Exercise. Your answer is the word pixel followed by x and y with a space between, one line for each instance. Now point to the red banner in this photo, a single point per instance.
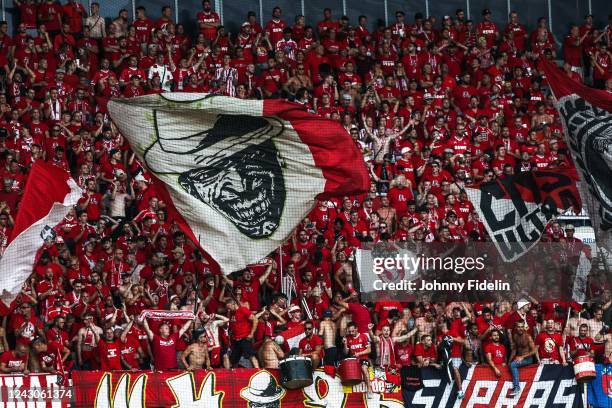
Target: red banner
pixel 224 388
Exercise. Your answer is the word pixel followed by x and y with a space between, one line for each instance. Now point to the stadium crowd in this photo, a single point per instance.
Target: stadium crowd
pixel 433 104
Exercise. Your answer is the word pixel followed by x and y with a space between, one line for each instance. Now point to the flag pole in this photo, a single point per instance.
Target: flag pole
pixel 280 267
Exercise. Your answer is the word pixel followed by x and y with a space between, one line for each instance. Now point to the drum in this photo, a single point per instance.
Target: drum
pixel 296 372
pixel 584 369
pixel 349 371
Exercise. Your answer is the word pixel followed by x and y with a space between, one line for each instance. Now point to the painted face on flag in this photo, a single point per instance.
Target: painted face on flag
pixel 245 185
pixel 239 173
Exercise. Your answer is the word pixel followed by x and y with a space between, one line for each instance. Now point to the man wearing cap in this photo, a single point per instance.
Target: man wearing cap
pixel 521 314
pixel 295 317
pixel 487 29
pixel 575 246
pixel 180 264
pixel 59 309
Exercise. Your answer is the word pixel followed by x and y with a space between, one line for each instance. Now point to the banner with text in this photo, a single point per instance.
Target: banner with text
pixel 236 388
pixel 34 390
pixel 470 271
pixel 542 386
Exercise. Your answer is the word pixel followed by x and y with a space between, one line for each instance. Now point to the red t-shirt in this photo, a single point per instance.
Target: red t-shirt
pixel 240 325
pixel 12 361
pixel 360 316
pixel 164 352
pixel 403 354
pixel 430 353
pixel 308 345
pixel 582 345
pixel 358 344
pixel 497 351
pixel 548 345
pixel 110 355
pixel 129 351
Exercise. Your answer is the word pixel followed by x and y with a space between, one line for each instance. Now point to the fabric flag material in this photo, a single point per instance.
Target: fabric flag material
pixel 241 174
pixel 515 209
pixel 293 336
pixel 586 114
pixel 49 195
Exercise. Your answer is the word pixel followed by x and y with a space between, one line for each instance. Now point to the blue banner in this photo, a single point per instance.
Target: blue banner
pixel 600 390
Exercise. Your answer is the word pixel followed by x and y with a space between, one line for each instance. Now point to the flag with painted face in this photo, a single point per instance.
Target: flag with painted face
pixel 239 174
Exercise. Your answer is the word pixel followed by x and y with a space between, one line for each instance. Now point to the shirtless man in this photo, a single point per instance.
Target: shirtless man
pixel 87 339
pixel 425 324
pixel 327 331
pixel 572 327
pixel 197 352
pixel 472 346
pixel 387 213
pixel 270 353
pixel 523 353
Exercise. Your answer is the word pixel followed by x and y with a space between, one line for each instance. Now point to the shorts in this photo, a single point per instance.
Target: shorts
pixel 215 356
pixel 365 363
pixel 330 358
pixel 456 362
pixel 241 348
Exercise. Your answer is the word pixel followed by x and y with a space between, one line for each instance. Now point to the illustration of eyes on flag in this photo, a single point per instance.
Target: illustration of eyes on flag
pixel 239 172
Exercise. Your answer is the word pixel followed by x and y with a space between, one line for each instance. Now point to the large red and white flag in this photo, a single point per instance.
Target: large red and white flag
pixel 241 174
pixel 586 114
pixel 49 195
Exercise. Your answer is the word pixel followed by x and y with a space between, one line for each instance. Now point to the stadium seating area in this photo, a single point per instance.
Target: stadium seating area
pixel 433 104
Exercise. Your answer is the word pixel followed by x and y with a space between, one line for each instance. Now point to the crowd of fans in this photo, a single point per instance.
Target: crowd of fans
pixel 432 104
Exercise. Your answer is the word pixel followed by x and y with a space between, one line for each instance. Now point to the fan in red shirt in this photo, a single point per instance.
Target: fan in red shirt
pixel 15 361
pixel 243 325
pixel 163 345
pixel 208 21
pixel 550 344
pixel 581 345
pixel 357 345
pixel 312 345
pixel 425 352
pixel 109 351
pixel 495 352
